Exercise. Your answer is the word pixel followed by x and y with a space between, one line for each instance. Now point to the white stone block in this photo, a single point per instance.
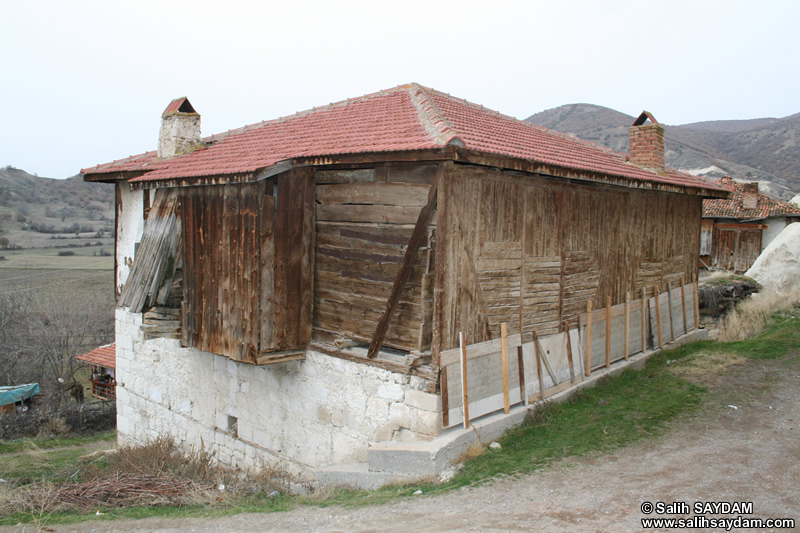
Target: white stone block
pixel 391 391
pixel 424 401
pixel 425 422
pixel 399 414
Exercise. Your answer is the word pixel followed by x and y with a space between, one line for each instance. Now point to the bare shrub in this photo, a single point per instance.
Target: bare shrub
pixel 750 316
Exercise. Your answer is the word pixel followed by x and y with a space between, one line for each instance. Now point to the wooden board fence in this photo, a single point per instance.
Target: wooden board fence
pixel 487 382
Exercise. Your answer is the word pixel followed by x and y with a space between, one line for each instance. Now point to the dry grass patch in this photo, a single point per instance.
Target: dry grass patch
pixel 705 366
pixel 750 317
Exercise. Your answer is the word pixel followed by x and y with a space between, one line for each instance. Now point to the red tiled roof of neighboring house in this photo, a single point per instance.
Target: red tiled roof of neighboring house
pixel 105 356
pixel 734 206
pixel 407 117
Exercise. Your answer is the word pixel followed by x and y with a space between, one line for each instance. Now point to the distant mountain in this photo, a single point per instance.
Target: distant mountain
pixel 766 150
pixel 34 211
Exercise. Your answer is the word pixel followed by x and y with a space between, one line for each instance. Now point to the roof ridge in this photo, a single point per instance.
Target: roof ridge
pixel 433 120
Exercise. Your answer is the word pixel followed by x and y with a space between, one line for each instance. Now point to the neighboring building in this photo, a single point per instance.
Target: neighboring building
pixel 14 396
pixel 736 230
pixel 285 289
pixel 102 376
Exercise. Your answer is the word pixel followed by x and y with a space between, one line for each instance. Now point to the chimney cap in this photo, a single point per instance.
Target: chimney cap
pixel 643 118
pixel 179 105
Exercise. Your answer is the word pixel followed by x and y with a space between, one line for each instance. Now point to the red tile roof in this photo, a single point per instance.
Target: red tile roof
pixel 734 206
pixel 105 356
pixel 407 117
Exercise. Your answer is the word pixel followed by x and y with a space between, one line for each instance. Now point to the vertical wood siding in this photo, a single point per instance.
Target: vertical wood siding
pixel 532 252
pixel 249 266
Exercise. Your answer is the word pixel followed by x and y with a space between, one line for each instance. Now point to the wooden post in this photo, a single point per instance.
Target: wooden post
pixel 669 308
pixel 504 355
pixel 645 310
pixel 683 306
pixel 538 365
pixel 523 393
pixel 627 324
pixel 608 331
pixel 569 354
pixel 658 317
pixel 464 394
pixel 588 369
pixel 696 305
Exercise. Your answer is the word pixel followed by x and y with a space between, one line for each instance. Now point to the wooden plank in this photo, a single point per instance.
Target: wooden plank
pixel 588 367
pixel 538 364
pixel 608 331
pixel 481 349
pixel 657 303
pixel 382 214
pixel 569 353
pixel 412 249
pixel 521 371
pixel 504 362
pixel 683 307
pixel 696 305
pixel 399 194
pixel 669 308
pixel 445 395
pixel 645 309
pixel 464 381
pixel 627 325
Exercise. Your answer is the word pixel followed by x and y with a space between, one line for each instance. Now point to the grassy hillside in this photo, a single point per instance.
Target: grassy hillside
pixel 44 213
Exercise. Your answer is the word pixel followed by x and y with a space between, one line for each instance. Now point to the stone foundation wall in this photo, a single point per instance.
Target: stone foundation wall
pixel 300 414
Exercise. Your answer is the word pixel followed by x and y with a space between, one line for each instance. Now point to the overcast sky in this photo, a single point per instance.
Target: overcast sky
pixel 85 82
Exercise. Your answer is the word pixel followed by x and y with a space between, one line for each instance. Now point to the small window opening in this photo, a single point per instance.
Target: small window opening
pixel 233 425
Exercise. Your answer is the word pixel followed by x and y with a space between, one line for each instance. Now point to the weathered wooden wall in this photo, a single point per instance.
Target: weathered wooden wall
pixel 364 221
pixel 249 266
pixel 735 248
pixel 533 251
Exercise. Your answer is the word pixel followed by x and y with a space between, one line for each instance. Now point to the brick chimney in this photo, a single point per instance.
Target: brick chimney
pixel 180 129
pixel 647 143
pixel 750 195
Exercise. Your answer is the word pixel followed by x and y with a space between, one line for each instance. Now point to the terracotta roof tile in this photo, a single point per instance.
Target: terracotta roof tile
pixel 407 117
pixel 104 356
pixel 734 206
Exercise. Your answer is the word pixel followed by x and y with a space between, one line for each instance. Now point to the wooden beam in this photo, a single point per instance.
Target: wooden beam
pixel 627 325
pixel 464 388
pixel 588 369
pixel 669 308
pixel 741 226
pixel 412 249
pixel 538 365
pixel 608 331
pixel 645 309
pixel 504 356
pixel 569 354
pixel 683 306
pixel 658 317
pixel 696 305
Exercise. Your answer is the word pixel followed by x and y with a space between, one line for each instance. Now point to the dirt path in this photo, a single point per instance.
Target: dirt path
pixel 722 454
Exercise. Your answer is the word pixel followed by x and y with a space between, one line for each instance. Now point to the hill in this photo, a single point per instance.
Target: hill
pixel 42 212
pixel 766 150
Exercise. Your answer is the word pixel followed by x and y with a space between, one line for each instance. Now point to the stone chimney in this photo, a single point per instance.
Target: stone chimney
pixel 180 129
pixel 647 143
pixel 750 195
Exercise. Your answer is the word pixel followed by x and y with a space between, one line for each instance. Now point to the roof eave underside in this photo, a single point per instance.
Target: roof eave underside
pixel 452 153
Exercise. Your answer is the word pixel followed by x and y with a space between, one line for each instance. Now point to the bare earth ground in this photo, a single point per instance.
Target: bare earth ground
pixel 751 453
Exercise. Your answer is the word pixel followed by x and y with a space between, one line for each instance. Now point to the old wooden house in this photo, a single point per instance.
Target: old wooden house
pixel 285 290
pixel 736 230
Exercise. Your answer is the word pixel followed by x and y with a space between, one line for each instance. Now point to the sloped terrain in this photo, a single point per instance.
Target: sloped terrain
pixel 764 149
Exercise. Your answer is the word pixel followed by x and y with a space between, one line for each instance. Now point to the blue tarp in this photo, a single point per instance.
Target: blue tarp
pixel 17 393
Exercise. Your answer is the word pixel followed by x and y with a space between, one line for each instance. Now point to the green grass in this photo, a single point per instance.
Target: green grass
pixel 55 460
pixel 617 412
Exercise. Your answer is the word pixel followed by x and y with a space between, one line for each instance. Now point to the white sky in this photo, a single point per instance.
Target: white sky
pixel 85 82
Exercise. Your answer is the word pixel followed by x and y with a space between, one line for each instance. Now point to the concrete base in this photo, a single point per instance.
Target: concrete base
pixel 398 461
